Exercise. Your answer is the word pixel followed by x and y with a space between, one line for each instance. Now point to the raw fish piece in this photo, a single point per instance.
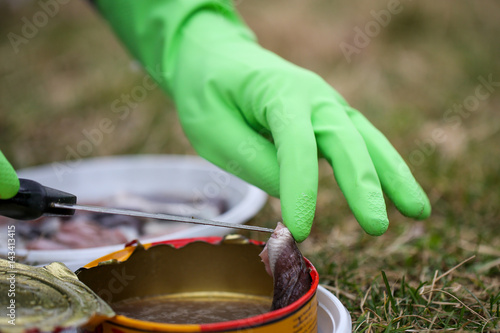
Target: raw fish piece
pixel 285 263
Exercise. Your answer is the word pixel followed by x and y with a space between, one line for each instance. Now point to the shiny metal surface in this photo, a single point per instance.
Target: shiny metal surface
pixel 160 216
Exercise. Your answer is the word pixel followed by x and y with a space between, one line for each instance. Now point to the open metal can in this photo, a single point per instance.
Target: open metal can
pixel 196 270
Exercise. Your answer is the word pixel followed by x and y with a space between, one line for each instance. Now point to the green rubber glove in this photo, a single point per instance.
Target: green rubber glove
pixel 9 183
pixel 260 117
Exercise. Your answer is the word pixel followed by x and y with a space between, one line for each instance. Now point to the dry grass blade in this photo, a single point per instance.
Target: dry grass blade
pixel 486 324
pixel 361 305
pixel 414 316
pixel 455 267
pixel 434 280
pixel 432 323
pixel 458 300
pixel 376 315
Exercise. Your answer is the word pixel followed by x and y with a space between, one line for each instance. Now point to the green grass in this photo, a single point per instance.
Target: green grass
pixel 441 274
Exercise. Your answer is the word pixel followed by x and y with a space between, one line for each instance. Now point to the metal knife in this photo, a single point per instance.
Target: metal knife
pixel 35 200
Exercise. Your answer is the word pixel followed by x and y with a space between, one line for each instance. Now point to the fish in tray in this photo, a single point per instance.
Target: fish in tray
pixel 86 230
pixel 285 263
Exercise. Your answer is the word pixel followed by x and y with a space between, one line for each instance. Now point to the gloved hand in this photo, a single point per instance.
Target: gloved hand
pixel 9 183
pixel 262 118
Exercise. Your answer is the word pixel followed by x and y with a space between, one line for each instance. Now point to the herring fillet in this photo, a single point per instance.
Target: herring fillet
pixel 286 265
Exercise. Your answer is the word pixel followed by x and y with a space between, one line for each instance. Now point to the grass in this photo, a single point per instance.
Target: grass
pixel 441 274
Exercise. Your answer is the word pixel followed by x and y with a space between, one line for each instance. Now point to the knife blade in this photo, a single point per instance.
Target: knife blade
pixel 158 216
pixel 34 200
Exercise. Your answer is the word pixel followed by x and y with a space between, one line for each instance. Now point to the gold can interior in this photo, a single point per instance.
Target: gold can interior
pixel 209 279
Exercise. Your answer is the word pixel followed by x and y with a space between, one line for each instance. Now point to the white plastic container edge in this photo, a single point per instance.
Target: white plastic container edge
pixel 333 317
pixel 97 178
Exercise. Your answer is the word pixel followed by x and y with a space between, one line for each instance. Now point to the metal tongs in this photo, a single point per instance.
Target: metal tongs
pixel 35 200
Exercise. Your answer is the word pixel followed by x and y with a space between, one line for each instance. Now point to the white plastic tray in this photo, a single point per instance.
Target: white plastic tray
pixel 94 179
pixel 333 317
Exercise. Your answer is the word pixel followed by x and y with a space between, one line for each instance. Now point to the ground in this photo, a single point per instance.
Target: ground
pixel 426 74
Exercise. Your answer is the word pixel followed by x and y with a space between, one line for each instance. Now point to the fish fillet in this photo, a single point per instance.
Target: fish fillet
pixel 286 265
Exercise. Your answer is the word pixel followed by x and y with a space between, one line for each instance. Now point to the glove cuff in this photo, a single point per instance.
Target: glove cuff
pixel 151 29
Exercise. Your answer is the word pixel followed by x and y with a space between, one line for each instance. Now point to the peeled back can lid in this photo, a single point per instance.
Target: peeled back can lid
pixel 46 299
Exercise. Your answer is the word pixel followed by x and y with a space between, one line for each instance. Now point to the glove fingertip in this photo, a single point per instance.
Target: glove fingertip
pixel 9 183
pixel 10 191
pixel 424 212
pixel 300 218
pixel 299 232
pixel 376 228
pixel 415 206
pixel 371 214
pixel 374 224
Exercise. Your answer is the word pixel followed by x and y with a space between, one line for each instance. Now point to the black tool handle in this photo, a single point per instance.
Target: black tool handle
pixel 34 200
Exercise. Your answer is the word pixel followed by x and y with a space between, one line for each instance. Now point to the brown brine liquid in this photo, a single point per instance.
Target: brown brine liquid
pixel 193 308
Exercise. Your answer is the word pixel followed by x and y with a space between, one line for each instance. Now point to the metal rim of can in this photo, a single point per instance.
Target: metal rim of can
pixel 250 322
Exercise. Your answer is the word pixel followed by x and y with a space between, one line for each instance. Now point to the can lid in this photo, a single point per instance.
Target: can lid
pixel 47 299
